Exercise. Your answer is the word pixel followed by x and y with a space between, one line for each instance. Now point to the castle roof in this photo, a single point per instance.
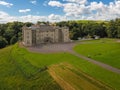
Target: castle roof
pixel 42 27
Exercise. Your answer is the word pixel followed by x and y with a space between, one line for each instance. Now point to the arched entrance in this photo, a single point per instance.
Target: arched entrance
pixel 47 40
pixel 60 36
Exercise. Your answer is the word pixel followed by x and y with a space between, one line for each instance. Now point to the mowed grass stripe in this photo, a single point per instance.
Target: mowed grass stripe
pixel 78 82
pixel 60 81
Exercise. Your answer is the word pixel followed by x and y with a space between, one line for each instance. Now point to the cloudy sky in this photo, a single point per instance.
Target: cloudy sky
pixel 58 10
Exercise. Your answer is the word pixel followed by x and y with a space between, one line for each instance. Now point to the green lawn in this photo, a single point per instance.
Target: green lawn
pixel 104 50
pixel 17 73
pixel 75 78
pixel 24 70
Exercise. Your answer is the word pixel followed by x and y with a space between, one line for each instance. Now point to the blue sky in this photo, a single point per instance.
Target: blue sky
pixel 36 9
pixel 58 10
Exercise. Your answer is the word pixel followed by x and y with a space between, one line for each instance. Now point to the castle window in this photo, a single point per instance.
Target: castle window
pixel 28 42
pixel 27 36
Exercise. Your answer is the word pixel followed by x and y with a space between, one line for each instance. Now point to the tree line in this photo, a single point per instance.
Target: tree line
pixel 11 32
pixel 80 29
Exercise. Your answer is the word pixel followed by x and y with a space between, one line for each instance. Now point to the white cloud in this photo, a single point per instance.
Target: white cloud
pixel 55 3
pixel 82 9
pixel 72 11
pixel 54 18
pixel 103 11
pixel 77 1
pixel 5 17
pixel 5 3
pixel 31 18
pixel 33 2
pixel 24 10
pixel 34 19
pixel 3 14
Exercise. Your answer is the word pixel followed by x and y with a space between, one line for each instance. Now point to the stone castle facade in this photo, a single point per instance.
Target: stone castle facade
pixel 41 34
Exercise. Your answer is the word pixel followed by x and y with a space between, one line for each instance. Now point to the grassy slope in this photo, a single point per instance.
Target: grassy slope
pixel 13 77
pixel 20 75
pixel 104 50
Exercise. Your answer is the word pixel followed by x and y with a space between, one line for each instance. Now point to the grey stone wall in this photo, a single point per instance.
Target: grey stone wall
pixel 38 35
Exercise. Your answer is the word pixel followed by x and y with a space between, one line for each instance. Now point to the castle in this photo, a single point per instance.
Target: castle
pixel 41 34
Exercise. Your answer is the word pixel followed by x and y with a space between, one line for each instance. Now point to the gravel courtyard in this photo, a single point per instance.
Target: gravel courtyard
pixel 52 48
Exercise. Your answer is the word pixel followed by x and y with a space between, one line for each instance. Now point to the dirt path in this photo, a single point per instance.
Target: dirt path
pixel 68 47
pixel 106 66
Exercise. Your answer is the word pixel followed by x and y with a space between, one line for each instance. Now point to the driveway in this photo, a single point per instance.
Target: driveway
pixel 68 47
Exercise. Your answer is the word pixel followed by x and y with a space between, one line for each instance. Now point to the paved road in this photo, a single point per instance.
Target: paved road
pixel 67 47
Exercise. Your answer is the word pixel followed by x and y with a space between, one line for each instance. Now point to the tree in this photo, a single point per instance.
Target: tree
pixel 2 29
pixel 118 31
pixel 13 40
pixel 117 21
pixel 3 42
pixel 113 28
pixel 28 24
pixel 75 33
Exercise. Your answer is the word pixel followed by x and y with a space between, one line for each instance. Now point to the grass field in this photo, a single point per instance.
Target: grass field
pixel 70 78
pixel 24 70
pixel 16 73
pixel 104 50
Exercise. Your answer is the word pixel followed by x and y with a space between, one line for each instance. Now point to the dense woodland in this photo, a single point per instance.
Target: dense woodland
pixel 10 33
pixel 110 29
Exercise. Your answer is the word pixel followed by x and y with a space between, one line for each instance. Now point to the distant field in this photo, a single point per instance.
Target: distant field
pixel 103 50
pixel 87 21
pixel 24 70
